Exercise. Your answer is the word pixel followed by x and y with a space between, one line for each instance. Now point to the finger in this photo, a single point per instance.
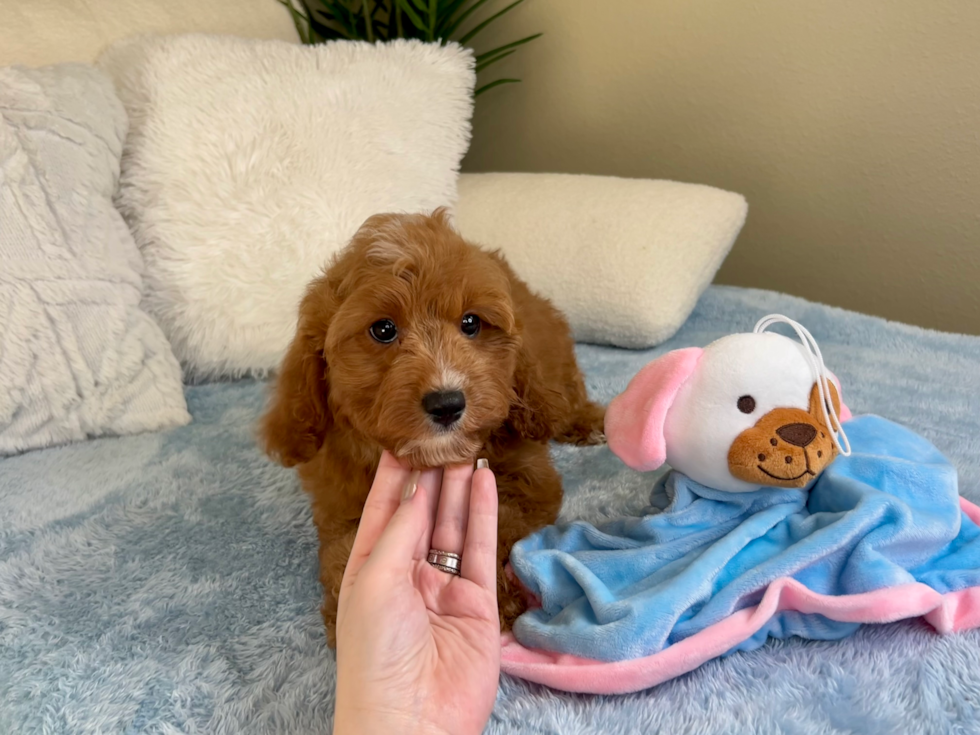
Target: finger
pixel 454 503
pixel 431 480
pixel 395 549
pixel 382 502
pixel 479 563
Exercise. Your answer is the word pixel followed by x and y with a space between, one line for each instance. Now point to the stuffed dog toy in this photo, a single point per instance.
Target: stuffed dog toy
pixel 748 410
pixel 768 525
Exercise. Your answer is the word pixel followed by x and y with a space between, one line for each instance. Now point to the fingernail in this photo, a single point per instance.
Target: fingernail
pixel 482 464
pixel 411 485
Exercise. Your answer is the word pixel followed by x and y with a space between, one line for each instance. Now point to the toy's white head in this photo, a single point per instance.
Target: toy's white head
pixel 743 412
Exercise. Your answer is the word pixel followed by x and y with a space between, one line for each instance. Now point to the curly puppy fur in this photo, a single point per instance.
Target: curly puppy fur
pixel 342 396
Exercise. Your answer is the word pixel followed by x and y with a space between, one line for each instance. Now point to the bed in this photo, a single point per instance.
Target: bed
pixel 167 582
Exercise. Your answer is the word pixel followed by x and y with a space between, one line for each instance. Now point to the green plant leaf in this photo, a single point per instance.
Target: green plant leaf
pixel 301 22
pixel 368 24
pixel 463 16
pixel 491 85
pixel 488 21
pixel 328 29
pixel 447 13
pixel 487 54
pixel 350 23
pixel 412 15
pixel 321 7
pixel 493 60
pixel 317 21
pixel 334 24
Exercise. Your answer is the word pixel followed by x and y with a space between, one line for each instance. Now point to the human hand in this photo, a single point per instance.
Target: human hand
pixel 418 649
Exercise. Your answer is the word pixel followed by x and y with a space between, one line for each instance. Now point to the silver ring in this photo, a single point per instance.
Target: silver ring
pixel 444 561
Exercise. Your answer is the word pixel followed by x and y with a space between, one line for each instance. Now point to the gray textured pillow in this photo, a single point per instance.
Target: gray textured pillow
pixel 78 357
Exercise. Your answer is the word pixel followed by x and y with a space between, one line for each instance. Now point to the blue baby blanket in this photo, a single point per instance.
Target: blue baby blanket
pixel 887 515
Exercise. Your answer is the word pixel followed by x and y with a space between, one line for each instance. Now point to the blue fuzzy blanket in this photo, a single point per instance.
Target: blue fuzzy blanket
pixel 882 518
pixel 167 582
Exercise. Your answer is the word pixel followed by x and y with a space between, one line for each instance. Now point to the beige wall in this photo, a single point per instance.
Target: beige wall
pixel 38 32
pixel 852 127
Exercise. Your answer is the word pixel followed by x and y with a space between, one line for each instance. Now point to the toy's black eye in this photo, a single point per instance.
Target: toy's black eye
pixel 470 325
pixel 384 331
pixel 746 404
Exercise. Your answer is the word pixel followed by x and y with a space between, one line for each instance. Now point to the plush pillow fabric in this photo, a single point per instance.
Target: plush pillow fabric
pixel 78 357
pixel 625 259
pixel 37 32
pixel 249 163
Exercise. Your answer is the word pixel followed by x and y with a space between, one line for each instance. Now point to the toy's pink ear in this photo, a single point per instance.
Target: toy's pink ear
pixel 635 418
pixel 845 412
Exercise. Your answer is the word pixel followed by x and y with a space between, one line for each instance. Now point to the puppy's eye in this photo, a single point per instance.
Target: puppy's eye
pixel 470 325
pixel 384 331
pixel 746 404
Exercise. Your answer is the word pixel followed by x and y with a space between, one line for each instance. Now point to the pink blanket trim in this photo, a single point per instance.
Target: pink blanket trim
pixel 952 612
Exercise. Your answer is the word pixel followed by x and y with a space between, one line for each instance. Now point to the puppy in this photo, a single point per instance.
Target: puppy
pixel 418 342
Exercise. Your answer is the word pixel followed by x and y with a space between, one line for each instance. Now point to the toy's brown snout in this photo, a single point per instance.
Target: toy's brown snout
pixel 787 447
pixel 798 434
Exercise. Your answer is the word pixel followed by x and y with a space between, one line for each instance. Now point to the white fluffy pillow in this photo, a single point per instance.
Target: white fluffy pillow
pixel 249 163
pixel 625 259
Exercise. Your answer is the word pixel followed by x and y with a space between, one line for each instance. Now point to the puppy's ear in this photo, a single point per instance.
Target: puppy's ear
pixel 539 411
pixel 635 418
pixel 298 416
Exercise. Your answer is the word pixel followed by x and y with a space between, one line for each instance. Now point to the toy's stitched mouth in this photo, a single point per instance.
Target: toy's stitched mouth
pixel 786 479
pixel 804 473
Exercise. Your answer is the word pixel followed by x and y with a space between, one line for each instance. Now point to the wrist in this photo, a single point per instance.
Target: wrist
pixel 374 721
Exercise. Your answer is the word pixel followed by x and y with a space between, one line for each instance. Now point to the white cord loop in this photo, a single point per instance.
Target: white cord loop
pixel 811 351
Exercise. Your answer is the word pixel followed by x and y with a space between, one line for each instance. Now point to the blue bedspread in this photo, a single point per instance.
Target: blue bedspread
pixel 167 582
pixel 887 515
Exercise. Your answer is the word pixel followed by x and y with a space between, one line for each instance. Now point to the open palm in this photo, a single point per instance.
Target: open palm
pixel 418 650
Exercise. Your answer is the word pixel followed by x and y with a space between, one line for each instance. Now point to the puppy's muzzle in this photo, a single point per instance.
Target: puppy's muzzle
pixel 445 408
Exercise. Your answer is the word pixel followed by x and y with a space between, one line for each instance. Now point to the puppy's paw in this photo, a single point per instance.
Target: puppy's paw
pixel 512 597
pixel 587 427
pixel 510 610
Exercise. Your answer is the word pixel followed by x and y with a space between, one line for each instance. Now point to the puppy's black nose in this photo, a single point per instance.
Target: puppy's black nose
pixel 797 434
pixel 445 407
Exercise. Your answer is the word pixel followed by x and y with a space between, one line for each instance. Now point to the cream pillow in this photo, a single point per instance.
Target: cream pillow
pixel 78 358
pixel 249 163
pixel 625 259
